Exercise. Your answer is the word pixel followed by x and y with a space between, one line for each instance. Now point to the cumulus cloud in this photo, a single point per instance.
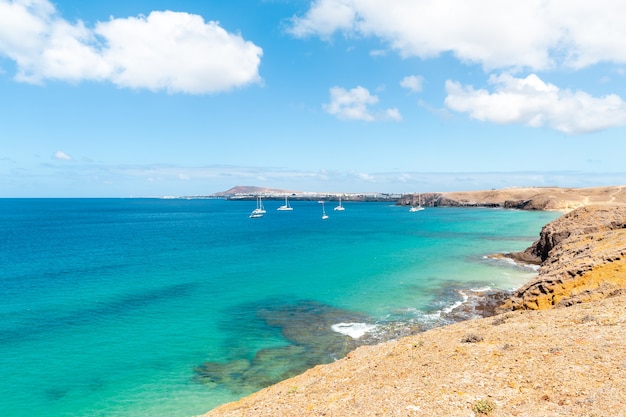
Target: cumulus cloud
pixel 173 51
pixel 324 18
pixel 533 102
pixel 535 34
pixel 355 104
pixel 178 52
pixel 413 83
pixel 62 156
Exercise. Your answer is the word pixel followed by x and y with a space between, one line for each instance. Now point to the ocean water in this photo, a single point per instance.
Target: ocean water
pixel 150 307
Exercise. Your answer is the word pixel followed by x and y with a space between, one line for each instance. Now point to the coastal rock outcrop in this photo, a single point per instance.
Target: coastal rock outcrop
pixel 582 256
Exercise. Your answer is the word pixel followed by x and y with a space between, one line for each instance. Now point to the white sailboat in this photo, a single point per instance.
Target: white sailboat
pixel 286 206
pixel 340 207
pixel 260 207
pixel 324 215
pixel 419 204
pixel 259 211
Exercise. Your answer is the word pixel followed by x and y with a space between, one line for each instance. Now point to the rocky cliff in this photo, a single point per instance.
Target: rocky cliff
pixel 582 256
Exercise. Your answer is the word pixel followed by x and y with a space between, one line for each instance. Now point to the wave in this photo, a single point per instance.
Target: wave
pixel 354 330
pixel 499 258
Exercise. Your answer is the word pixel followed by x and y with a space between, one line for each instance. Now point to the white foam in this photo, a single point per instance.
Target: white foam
pixel 512 262
pixel 449 309
pixel 354 330
pixel 509 261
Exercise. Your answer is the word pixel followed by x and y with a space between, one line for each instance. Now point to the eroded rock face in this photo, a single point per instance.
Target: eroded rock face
pixel 582 256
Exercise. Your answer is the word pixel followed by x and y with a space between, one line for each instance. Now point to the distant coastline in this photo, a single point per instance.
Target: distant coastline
pixel 522 198
pixel 245 193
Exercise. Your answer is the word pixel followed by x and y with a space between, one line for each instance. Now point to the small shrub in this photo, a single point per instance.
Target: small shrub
pixel 483 407
pixel 587 318
pixel 472 338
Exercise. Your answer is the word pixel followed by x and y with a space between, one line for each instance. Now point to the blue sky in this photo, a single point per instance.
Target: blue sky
pixel 152 98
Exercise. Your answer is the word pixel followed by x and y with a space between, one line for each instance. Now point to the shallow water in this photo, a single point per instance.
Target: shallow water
pixel 147 307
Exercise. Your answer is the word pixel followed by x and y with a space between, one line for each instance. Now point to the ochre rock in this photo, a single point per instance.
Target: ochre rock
pixel 583 258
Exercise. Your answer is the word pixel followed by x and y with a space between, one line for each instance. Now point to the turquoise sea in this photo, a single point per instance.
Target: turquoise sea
pixel 157 307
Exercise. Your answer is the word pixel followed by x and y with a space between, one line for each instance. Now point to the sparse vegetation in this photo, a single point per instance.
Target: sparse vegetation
pixel 472 338
pixel 588 318
pixel 499 320
pixel 483 407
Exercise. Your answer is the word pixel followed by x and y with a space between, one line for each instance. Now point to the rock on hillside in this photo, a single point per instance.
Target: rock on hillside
pixel 582 256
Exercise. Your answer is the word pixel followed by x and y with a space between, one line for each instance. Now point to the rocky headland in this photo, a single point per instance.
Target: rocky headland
pixel 529 198
pixel 582 256
pixel 556 348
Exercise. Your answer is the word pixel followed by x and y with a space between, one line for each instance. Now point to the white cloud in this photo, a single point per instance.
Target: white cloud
pixel 533 102
pixel 172 51
pixel 101 180
pixel 324 18
pixel 355 104
pixel 413 83
pixel 535 34
pixel 62 156
pixel 392 114
pixel 178 52
pixel 351 105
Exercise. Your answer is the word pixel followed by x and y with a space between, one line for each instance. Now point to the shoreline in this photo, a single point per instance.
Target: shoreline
pixel 486 304
pixel 558 362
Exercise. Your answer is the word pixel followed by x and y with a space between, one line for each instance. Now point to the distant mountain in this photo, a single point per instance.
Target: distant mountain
pixel 250 190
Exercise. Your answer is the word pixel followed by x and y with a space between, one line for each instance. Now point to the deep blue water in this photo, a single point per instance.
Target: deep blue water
pixel 149 307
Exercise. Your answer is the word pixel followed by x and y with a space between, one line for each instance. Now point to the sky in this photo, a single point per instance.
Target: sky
pixel 151 98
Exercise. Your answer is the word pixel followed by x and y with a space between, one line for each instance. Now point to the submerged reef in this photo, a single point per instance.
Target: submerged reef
pixel 309 340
